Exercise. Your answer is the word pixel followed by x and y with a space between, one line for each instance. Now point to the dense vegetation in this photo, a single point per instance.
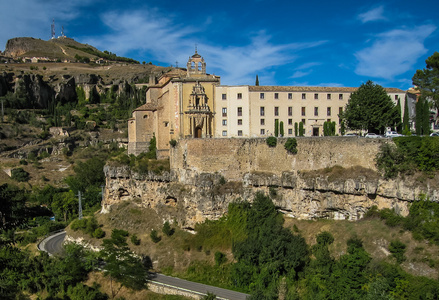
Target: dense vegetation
pixel 274 262
pixel 409 154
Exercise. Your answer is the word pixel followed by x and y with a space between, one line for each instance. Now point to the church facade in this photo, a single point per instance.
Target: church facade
pixel 178 104
pixel 193 104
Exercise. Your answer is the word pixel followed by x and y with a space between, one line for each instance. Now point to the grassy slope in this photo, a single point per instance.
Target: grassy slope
pixel 169 256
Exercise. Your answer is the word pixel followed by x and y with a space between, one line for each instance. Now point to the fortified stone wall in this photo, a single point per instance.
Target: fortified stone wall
pixel 234 158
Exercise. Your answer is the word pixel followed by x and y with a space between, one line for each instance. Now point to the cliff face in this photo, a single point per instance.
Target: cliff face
pixel 331 178
pixel 298 196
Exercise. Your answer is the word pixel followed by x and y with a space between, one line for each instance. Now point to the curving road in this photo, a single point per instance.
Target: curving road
pixel 53 245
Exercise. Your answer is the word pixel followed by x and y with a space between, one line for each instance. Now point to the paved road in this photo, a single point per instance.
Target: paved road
pixel 198 287
pixel 53 245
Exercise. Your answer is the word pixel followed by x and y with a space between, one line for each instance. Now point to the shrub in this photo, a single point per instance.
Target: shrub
pixel 291 145
pixel 397 248
pixel 220 258
pixel 135 240
pixel 20 175
pixel 167 230
pixel 99 233
pixel 154 236
pixel 173 143
pixel 271 141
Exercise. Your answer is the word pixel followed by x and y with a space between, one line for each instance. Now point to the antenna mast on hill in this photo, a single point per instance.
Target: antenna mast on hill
pixel 53 28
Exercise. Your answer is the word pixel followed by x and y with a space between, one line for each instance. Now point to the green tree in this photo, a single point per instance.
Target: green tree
pixel 406 118
pixel 121 264
pixel 281 128
pixel 296 129
pixel 276 127
pixel 427 80
pixel 301 129
pixel 369 108
pixel 257 80
pixel 422 116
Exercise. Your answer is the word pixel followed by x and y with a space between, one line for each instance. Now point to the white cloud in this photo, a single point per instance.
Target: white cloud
pixel 164 39
pixel 299 74
pixel 374 14
pixel 393 53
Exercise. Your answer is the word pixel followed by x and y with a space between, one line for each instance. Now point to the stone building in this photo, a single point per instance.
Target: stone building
pixel 178 104
pixel 191 103
pixel 251 111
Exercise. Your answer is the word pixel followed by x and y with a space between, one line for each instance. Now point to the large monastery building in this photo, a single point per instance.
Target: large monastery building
pixel 193 104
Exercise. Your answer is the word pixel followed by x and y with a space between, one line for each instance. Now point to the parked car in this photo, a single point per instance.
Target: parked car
pixel 372 135
pixel 350 134
pixel 392 134
pixel 434 134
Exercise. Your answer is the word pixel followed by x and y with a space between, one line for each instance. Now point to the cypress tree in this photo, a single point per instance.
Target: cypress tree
pixel 257 80
pixel 296 129
pixel 276 127
pixel 419 115
pixel 281 129
pixel 405 119
pixel 426 118
pixel 301 130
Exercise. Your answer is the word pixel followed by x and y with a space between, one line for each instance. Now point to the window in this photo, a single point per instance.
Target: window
pixel 303 96
pixel 239 121
pixel 290 131
pixel 224 111
pixel 224 122
pixel 303 111
pixel 224 96
pixel 262 121
pixel 328 111
pixel 262 111
pixel 340 110
pixel 396 97
pixel 316 96
pixel 276 95
pixel 239 96
pixel 239 111
pixel 290 96
pixel 239 132
pixel 328 120
pixel 290 110
pixel 262 131
pixel 316 111
pixel 261 96
pixel 303 121
pixel 276 110
pixel 224 132
pixel 328 96
pixel 340 96
pixel 290 121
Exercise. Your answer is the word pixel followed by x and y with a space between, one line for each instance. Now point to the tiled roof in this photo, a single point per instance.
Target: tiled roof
pixel 147 107
pixel 312 89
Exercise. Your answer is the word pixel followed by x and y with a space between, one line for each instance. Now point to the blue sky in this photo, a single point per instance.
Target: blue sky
pixel 312 43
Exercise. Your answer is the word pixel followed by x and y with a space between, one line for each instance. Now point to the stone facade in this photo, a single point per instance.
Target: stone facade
pixel 193 104
pixel 178 104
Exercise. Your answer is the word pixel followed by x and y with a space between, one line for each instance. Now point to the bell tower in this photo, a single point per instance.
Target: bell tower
pixel 196 66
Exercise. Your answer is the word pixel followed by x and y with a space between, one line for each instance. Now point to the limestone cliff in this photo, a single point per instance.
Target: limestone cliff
pixel 190 195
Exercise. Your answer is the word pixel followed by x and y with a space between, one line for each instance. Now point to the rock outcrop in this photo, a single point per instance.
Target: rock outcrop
pixel 328 178
pixel 295 195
